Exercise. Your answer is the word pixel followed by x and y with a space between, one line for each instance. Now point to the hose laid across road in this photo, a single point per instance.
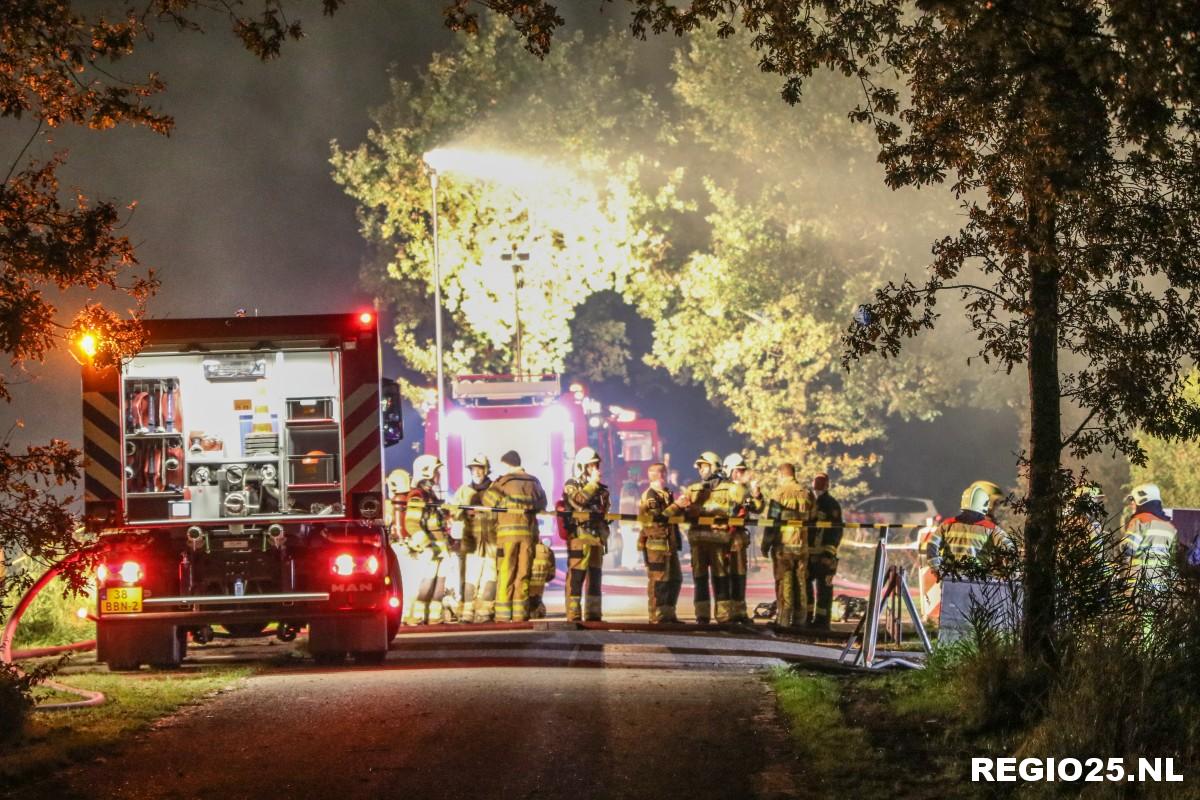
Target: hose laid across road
pixel 7 656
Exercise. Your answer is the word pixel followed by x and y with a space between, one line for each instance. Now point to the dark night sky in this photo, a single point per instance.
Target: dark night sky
pixel 236 207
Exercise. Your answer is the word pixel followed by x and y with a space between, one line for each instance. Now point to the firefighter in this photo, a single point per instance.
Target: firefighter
pixel 399 484
pixel 787 547
pixel 543 572
pixel 1149 540
pixel 427 540
pixel 742 496
pixel 477 555
pixel 823 545
pixel 522 497
pixel 972 530
pixel 659 542
pixel 587 539
pixel 708 540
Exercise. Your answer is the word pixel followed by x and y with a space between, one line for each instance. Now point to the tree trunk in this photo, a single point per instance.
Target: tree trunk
pixel 1041 530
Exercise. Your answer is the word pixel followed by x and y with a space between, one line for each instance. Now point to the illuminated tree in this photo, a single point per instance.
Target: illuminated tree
pixel 538 159
pixel 1069 133
pixel 730 231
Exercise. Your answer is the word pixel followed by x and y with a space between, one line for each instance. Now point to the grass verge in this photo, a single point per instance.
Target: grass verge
pixel 56 739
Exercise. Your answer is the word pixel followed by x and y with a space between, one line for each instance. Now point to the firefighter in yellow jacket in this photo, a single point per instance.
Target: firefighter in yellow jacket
pixel 743 497
pixel 522 498
pixel 823 546
pixel 787 547
pixel 478 550
pixel 708 537
pixel 972 530
pixel 427 539
pixel 587 539
pixel 659 541
pixel 1150 539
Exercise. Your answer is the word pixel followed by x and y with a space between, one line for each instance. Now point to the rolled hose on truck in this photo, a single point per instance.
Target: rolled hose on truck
pixel 7 656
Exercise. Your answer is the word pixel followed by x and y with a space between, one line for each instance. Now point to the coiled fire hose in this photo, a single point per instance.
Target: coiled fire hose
pixel 7 656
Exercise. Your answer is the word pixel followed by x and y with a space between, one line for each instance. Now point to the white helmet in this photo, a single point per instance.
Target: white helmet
pixel 1144 493
pixel 733 461
pixel 398 482
pixel 480 460
pixel 584 457
pixel 981 497
pixel 425 467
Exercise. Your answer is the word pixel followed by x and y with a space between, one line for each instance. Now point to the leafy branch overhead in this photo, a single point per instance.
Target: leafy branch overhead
pixel 59 66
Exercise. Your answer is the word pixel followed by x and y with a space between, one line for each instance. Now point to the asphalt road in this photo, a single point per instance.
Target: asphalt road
pixel 446 731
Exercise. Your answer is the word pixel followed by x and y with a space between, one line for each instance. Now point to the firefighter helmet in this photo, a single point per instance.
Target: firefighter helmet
pixel 425 467
pixel 733 461
pixel 1144 493
pixel 982 497
pixel 398 482
pixel 710 458
pixel 480 460
pixel 584 458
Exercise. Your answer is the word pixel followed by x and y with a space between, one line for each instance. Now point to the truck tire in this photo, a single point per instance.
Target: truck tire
pixel 333 637
pixel 126 645
pixel 369 658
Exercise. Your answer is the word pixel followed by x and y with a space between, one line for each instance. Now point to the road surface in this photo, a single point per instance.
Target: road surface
pixel 441 730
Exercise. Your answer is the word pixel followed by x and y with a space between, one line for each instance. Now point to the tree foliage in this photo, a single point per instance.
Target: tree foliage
pixel 1069 133
pixel 58 68
pixel 744 254
pixel 539 160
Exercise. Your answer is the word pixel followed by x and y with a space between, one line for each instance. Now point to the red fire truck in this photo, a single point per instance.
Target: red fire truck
pixel 234 473
pixel 493 414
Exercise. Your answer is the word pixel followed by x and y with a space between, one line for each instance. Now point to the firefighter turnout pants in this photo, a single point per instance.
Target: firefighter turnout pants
pixel 791 592
pixel 664 580
pixel 585 558
pixel 540 574
pixel 514 558
pixel 431 588
pixel 710 559
pixel 739 552
pixel 479 584
pixel 819 588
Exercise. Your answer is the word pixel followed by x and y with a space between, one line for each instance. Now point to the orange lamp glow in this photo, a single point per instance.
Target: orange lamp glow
pixel 87 344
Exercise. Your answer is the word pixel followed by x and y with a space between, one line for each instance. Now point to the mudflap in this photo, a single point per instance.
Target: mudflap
pixel 352 634
pixel 128 645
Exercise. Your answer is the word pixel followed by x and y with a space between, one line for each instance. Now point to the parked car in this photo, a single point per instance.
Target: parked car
pixel 894 510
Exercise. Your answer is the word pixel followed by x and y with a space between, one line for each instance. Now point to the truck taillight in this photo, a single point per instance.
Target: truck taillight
pixel 366 318
pixel 347 564
pixel 130 572
pixel 101 573
pixel 393 602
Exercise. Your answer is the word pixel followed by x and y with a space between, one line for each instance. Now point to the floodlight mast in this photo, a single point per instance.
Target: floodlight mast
pixel 437 318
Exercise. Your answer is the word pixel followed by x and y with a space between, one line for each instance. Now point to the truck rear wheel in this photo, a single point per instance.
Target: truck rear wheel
pixel 125 646
pixel 333 637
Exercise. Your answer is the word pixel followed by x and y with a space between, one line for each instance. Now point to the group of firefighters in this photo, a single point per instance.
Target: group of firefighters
pixel 505 566
pixel 1147 544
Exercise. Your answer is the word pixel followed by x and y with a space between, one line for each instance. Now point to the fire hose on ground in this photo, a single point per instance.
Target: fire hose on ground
pixel 7 656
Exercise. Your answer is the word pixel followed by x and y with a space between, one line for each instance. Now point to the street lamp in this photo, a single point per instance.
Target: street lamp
pixel 429 159
pixel 516 259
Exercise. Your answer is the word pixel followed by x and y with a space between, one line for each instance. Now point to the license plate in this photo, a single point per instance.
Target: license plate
pixel 121 600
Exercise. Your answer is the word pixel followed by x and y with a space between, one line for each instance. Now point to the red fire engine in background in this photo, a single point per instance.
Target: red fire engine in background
pixel 492 414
